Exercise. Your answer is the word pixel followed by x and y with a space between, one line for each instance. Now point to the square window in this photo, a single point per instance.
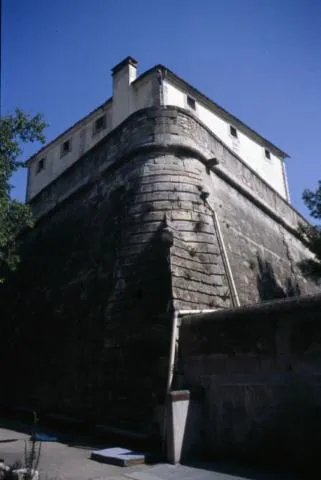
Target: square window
pixel 191 102
pixel 100 124
pixel 233 131
pixel 41 165
pixel 267 154
pixel 66 147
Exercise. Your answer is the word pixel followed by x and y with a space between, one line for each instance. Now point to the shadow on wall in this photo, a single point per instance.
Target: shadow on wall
pixel 87 329
pixel 269 287
pixel 277 426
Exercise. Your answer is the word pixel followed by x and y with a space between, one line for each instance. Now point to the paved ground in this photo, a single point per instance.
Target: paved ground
pixel 72 462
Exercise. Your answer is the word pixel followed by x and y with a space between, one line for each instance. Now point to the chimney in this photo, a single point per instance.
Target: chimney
pixel 123 75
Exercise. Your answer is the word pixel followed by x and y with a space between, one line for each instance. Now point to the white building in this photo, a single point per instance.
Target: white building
pixel 157 86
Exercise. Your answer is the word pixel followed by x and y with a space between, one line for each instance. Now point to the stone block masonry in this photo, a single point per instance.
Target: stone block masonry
pixel 88 314
pixel 256 370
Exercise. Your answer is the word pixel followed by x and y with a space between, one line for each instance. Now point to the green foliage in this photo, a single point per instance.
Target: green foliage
pixel 312 234
pixel 32 455
pixel 312 199
pixel 16 130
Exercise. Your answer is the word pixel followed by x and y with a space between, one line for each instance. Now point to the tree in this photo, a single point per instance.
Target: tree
pixel 312 234
pixel 16 130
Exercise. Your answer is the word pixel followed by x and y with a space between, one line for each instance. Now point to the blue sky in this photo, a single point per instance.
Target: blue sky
pixel 259 59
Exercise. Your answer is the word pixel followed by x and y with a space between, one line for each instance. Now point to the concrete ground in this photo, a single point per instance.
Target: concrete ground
pixel 71 461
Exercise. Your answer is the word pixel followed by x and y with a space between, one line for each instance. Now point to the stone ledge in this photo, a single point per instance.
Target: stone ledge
pixel 262 310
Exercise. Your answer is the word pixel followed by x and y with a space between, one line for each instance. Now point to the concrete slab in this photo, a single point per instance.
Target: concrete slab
pixel 118 456
pixel 65 461
pixel 183 472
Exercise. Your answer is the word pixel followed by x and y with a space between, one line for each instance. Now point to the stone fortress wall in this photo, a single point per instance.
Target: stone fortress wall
pixel 92 302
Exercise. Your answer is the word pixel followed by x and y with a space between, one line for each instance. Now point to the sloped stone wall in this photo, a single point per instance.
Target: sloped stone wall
pixel 87 316
pixel 258 226
pixel 88 321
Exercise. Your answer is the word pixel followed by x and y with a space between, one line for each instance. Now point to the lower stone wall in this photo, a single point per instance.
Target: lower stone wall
pixel 87 317
pixel 258 370
pixel 275 419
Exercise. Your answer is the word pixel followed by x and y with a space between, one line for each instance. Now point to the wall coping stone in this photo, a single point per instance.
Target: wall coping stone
pixel 260 311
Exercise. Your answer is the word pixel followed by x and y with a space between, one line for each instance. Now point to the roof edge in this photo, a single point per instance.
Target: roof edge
pixel 127 61
pixel 30 159
pixel 181 82
pixel 220 110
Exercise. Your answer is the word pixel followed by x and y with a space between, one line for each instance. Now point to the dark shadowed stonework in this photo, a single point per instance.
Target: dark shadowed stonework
pixel 88 315
pixel 258 369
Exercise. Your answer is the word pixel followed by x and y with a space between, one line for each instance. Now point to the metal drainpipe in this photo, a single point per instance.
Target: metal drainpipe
pixel 172 354
pixel 228 270
pixel 177 313
pixel 174 340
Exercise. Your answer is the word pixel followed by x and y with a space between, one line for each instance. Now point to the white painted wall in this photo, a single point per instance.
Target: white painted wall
pixel 142 94
pixel 130 96
pixel 251 152
pixel 139 95
pixel 122 93
pixel 82 139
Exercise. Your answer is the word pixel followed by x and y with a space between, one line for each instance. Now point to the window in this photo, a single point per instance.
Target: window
pixel 100 124
pixel 65 147
pixel 233 131
pixel 191 102
pixel 267 154
pixel 41 165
